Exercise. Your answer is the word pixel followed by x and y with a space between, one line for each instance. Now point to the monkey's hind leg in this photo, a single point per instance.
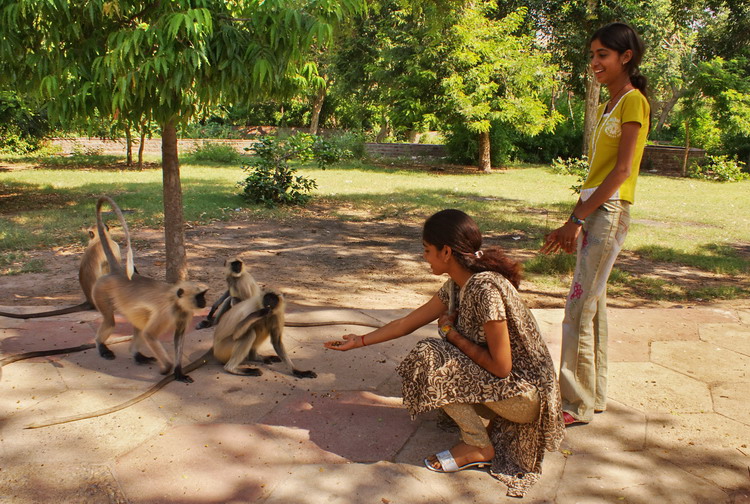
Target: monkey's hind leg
pixel 137 344
pixel 104 332
pixel 240 351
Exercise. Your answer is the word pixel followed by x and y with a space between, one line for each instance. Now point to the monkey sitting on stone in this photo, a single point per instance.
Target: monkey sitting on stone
pixel 240 332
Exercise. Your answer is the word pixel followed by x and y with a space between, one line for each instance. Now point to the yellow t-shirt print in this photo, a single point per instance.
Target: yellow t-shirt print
pixel 605 141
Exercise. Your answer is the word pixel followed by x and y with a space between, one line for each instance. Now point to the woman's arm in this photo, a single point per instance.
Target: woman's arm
pixel 423 315
pixel 496 358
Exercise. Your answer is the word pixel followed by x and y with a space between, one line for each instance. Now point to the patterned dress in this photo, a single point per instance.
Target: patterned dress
pixel 436 373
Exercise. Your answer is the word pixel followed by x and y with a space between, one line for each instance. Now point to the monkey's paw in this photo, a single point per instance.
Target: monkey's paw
pixel 143 359
pixel 106 352
pixel 204 324
pixel 304 374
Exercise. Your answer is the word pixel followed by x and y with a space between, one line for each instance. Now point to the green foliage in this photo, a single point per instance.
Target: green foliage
pixel 213 152
pixel 718 168
pixel 273 181
pixel 573 166
pixel 21 129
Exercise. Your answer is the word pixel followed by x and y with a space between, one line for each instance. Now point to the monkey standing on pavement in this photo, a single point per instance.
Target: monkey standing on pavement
pixel 151 306
pixel 240 286
pixel 94 264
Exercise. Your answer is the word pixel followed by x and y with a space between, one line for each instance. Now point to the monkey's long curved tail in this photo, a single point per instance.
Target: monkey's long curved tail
pixel 197 363
pixel 113 263
pixel 56 351
pixel 62 311
pixel 200 361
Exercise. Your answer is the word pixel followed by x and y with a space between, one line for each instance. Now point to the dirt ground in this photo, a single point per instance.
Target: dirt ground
pixel 315 259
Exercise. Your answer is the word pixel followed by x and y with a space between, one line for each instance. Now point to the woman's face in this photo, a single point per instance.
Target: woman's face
pixel 436 258
pixel 607 64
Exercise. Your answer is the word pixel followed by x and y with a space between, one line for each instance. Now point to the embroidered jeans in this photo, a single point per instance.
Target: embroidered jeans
pixel 583 364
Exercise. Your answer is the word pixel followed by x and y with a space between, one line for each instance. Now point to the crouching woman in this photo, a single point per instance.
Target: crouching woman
pixel 490 362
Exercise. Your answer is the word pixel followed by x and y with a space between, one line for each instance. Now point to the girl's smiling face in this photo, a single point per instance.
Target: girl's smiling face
pixel 607 64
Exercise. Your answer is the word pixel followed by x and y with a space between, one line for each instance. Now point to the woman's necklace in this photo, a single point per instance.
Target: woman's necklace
pixel 614 96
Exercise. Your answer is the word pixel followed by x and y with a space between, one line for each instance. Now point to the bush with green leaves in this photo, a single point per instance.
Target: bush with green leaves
pixel 578 166
pixel 214 152
pixel 272 179
pixel 22 130
pixel 719 168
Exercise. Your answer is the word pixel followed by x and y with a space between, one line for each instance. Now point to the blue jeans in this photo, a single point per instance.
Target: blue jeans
pixel 583 363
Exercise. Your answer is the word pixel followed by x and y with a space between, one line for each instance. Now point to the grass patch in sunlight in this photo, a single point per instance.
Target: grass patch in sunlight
pixel 44 207
pixel 14 263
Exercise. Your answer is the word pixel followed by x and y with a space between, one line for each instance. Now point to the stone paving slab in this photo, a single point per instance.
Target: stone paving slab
pixel 649 387
pixel 632 477
pixel 668 435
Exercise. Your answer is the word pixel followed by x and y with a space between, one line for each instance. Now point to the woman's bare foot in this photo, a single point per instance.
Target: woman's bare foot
pixel 465 454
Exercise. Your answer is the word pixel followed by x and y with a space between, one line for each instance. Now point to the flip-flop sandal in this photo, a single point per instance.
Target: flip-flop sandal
pixel 448 463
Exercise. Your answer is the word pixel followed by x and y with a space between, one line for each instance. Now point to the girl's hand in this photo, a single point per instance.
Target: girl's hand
pixel 447 318
pixel 563 238
pixel 349 342
pixel 551 243
pixel 567 236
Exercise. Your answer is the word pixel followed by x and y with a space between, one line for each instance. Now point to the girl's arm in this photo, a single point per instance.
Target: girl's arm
pixel 565 237
pixel 496 358
pixel 423 315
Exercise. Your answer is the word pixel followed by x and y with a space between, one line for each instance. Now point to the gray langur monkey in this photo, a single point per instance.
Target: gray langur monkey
pixel 151 306
pixel 240 332
pixel 94 264
pixel 240 286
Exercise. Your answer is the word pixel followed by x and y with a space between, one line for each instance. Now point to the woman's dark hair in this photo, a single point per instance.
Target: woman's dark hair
pixel 621 37
pixel 459 232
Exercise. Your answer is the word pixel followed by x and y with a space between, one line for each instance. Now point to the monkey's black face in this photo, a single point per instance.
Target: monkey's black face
pixel 200 299
pixel 236 266
pixel 270 300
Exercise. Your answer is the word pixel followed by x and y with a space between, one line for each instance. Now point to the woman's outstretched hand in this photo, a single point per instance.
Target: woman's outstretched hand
pixel 349 342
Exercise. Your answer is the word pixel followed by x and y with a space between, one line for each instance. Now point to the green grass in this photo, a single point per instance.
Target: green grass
pixel 704 225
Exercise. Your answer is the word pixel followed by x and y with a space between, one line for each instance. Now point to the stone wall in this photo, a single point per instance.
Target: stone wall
pixel 664 159
pixel 667 159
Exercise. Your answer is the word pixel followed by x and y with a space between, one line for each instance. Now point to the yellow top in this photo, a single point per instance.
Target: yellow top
pixel 605 143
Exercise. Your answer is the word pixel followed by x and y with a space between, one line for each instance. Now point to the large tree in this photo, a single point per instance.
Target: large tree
pixel 496 74
pixel 161 61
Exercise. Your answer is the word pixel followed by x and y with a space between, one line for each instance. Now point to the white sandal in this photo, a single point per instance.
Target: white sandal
pixel 448 463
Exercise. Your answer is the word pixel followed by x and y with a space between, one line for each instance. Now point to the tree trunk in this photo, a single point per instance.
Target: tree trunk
pixel 174 222
pixel 413 136
pixel 128 146
pixel 385 130
pixel 485 163
pixel 317 106
pixel 141 147
pixel 687 147
pixel 676 95
pixel 592 103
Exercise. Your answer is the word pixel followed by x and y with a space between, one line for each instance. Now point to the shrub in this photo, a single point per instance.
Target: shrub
pixel 213 152
pixel 573 166
pixel 272 180
pixel 718 168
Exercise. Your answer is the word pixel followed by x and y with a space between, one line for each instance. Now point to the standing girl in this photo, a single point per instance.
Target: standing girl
pixel 489 362
pixel 603 215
